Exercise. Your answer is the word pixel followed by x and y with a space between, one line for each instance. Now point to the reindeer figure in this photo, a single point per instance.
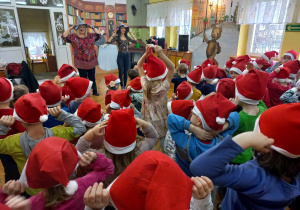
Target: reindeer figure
pixel 213 47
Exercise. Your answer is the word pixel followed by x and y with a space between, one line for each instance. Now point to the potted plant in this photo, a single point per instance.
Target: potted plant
pixel 47 50
pixel 205 21
pixel 43 59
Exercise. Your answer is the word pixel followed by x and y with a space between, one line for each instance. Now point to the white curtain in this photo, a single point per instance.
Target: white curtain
pixel 35 41
pixel 265 11
pixel 171 13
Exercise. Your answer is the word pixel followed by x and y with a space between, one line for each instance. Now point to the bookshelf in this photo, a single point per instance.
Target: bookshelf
pixel 121 17
pixel 121 13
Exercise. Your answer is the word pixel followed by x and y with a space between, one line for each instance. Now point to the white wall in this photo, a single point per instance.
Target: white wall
pixel 230 10
pixel 109 2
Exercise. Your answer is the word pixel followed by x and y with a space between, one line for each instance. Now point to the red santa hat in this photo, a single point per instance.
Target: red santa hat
pixel 108 97
pixel 285 140
pixel 187 62
pixel 184 91
pixel 4 207
pixel 251 86
pixel 51 162
pixel 209 73
pixel 182 108
pixel 155 68
pixel 207 62
pixel 294 66
pixel 230 63
pixel 213 111
pixel 158 188
pixel 65 72
pixel 31 108
pixel 221 73
pixel 226 87
pixel 51 93
pixel 7 90
pixel 270 54
pixel 195 76
pixel 245 58
pixel 292 53
pixel 239 67
pixel 79 86
pixel 136 85
pixel 263 62
pixel 120 99
pixel 283 75
pixel 124 140
pixel 89 112
pixel 111 77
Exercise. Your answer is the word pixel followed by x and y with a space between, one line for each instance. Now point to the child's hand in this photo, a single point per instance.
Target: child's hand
pixel 87 158
pixel 18 203
pixel 128 87
pixel 13 187
pixel 277 70
pixel 7 120
pixel 63 100
pixel 158 49
pixel 140 123
pixel 256 140
pixel 112 84
pixel 202 187
pixel 148 49
pixel 56 80
pixel 99 130
pixel 96 197
pixel 235 100
pixel 55 111
pixel 200 133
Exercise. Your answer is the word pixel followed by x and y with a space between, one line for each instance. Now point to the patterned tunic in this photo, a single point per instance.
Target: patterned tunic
pixel 123 45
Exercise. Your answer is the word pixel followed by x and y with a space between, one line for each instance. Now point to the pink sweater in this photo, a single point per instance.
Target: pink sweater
pixel 102 168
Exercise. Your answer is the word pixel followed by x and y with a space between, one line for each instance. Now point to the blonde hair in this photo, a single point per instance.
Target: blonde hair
pixel 55 195
pixel 147 91
pixel 86 31
pixel 182 68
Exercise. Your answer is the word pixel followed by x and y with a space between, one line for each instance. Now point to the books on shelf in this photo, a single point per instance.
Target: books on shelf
pixel 93 15
pixel 121 16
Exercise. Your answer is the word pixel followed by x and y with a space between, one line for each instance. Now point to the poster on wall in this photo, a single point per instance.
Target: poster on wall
pixel 198 15
pixel 41 3
pixel 59 27
pixel 9 36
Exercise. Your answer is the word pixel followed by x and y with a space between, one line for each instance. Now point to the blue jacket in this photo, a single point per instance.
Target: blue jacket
pixel 249 186
pixel 188 147
pixel 52 122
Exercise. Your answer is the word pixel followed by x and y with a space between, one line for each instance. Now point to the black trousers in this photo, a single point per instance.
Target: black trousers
pixel 89 74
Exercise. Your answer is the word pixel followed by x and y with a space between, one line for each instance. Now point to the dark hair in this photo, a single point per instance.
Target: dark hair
pixel 279 164
pixel 119 34
pixel 133 74
pixel 19 90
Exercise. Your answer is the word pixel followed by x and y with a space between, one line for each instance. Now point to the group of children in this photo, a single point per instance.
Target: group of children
pixel 235 128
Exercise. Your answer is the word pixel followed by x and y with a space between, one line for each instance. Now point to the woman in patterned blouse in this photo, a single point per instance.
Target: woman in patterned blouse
pixel 83 42
pixel 122 39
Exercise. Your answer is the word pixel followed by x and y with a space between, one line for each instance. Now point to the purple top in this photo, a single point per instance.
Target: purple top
pixel 83 50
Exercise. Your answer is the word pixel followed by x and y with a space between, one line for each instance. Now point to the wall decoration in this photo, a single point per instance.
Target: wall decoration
pixel 43 3
pixel 9 36
pixel 59 26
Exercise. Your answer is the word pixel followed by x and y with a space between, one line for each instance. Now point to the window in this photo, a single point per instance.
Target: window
pixel 35 41
pixel 185 22
pixel 266 37
pixel 160 32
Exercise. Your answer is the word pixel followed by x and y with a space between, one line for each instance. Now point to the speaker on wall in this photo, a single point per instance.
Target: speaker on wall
pixel 161 42
pixel 183 43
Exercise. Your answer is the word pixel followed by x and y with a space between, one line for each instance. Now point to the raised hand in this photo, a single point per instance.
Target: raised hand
pixel 96 197
pixel 18 203
pixel 7 120
pixel 87 158
pixel 55 111
pixel 99 130
pixel 13 187
pixel 202 187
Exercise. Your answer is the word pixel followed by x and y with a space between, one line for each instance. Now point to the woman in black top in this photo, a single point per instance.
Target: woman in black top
pixel 122 39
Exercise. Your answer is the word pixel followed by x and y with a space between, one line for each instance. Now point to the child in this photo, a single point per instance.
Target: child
pixel 294 66
pixel 81 88
pixel 228 65
pixel 156 85
pixel 136 93
pixel 250 89
pixel 269 55
pixel 278 83
pixel 19 90
pixel 6 96
pixel 120 139
pixel 182 71
pixel 209 114
pixel 291 96
pixel 221 73
pixel 31 111
pixel 207 62
pixel 226 87
pixel 193 78
pixel 271 180
pixel 261 64
pixel 176 190
pixel 133 73
pixel 50 166
pixel 183 92
pixel 51 93
pixel 209 76
pixel 237 69
pixel 108 97
pixel 112 82
pixel 245 58
pixel 288 56
pixel 64 73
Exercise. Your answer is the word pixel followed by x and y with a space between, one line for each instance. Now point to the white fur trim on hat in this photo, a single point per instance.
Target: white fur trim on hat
pixel 197 112
pixel 244 99
pixel 119 150
pixel 192 81
pixel 255 64
pixel 265 57
pixel 114 105
pixel 287 80
pixel 117 81
pixel 43 118
pixel 71 188
pixel 67 97
pixel 159 77
pixel 208 65
pixel 179 61
pixel 195 67
pixel 11 94
pixel 87 91
pixel 245 72
pixel 106 117
pixel 64 79
pixel 206 79
pixel 236 70
pixel 233 62
pixel 169 105
pixel 190 95
pixel 289 54
pixel 139 91
pixel 293 76
pixel 220 121
pixel 54 105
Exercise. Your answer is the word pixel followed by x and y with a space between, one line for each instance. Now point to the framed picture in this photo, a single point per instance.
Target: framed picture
pixel 9 35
